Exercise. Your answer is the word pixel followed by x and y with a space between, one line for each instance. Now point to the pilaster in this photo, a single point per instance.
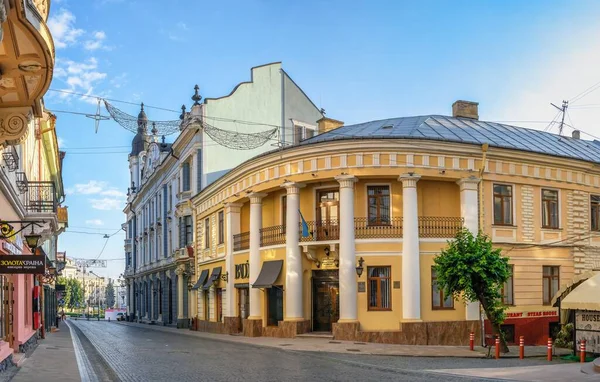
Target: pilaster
pixel 411 267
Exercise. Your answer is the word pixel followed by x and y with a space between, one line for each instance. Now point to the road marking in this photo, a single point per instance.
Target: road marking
pixel 85 368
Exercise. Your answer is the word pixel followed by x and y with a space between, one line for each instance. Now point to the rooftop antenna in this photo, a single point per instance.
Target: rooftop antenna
pixel 563 110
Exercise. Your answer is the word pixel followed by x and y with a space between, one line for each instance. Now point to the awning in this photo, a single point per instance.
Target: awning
pixel 268 274
pixel 566 289
pixel 585 297
pixel 201 279
pixel 216 273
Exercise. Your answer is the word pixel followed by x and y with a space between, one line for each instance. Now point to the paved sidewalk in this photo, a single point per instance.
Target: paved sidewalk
pixel 551 373
pixel 323 344
pixel 53 360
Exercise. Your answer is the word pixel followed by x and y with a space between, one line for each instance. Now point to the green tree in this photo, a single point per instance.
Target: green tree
pixel 110 295
pixel 73 292
pixel 472 270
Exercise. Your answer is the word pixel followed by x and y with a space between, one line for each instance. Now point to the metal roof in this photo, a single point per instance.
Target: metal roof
pixel 464 130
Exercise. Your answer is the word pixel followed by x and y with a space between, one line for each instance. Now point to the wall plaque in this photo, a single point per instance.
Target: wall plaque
pixel 361 287
pixel 396 284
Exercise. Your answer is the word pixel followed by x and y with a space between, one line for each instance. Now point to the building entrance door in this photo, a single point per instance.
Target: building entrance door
pixel 328 215
pixel 326 303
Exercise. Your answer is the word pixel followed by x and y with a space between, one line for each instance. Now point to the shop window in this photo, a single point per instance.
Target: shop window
pixel 243 302
pixel 550 282
pixel 508 289
pixel 219 298
pixel 379 205
pixel 549 209
pixel 438 299
pixel 380 289
pixel 509 332
pixel 595 212
pixel 206 306
pixel 274 305
pixel 207 233
pixel 221 227
pixel 503 205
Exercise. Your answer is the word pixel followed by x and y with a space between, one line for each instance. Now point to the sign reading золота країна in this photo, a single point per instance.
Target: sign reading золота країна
pixel 26 264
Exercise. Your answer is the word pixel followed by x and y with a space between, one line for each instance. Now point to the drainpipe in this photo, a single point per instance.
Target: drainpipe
pixel 484 149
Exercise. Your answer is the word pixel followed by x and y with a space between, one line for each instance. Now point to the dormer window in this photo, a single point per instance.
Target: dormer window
pixel 302 131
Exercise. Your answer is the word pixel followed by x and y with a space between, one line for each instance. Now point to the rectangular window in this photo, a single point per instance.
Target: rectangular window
pixel 207 233
pixel 503 205
pixel 595 212
pixel 221 227
pixel 509 333
pixel 274 305
pixel 308 133
pixel 284 212
pixel 438 300
pixel 549 208
pixel 508 289
pixel 379 205
pixel 550 282
pixel 189 234
pixel 219 296
pixel 170 197
pixel 380 288
pixel 186 176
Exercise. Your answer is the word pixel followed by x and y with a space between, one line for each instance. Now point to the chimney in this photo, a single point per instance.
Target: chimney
pixel 328 124
pixel 576 134
pixel 465 109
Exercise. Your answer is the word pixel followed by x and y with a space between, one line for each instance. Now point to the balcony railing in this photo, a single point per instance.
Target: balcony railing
pixel 322 230
pixel 21 182
pixel 272 235
pixel 11 158
pixel 241 241
pixel 363 229
pixel 41 197
pixel 439 227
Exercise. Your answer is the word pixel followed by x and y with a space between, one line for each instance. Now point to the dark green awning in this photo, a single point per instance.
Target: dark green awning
pixel 216 273
pixel 201 279
pixel 268 274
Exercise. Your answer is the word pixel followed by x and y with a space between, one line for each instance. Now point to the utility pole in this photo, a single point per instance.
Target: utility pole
pixel 563 110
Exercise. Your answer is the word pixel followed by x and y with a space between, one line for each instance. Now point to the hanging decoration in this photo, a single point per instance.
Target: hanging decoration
pixel 97 117
pixel 130 122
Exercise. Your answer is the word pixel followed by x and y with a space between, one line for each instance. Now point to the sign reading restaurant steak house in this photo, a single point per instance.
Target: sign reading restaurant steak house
pixel 29 264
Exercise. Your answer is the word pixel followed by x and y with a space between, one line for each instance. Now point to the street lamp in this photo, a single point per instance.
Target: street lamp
pixel 359 268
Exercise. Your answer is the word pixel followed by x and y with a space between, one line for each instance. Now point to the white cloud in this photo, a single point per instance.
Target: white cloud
pixel 80 77
pixel 61 142
pixel 89 188
pixel 177 32
pixel 107 204
pixel 96 42
pixel 62 27
pixel 113 192
pixel 96 222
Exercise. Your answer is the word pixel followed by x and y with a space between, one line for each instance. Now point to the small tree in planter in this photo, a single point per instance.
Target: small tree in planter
pixel 472 270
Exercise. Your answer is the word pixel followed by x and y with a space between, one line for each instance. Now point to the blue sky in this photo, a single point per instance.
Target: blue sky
pixel 359 60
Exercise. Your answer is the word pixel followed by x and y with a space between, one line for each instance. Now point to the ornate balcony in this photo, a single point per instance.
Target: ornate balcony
pixel 363 229
pixel 439 227
pixel 40 197
pixel 11 158
pixel 321 230
pixel 27 56
pixel 272 235
pixel 241 241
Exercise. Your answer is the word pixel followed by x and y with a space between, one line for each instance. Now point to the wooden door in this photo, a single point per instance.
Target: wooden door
pixel 328 215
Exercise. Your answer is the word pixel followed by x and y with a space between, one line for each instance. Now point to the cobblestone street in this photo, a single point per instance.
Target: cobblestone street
pixel 116 352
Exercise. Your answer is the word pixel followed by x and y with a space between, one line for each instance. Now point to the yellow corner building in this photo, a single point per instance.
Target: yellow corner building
pixel 336 235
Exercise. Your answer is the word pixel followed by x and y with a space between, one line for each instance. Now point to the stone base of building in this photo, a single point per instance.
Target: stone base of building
pixel 284 329
pixel 7 363
pixel 231 325
pixel 446 333
pixel 183 323
pixel 252 328
pixel 29 344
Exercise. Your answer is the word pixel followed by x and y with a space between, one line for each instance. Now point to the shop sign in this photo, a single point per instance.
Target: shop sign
pixel 24 264
pixel 242 271
pixel 587 327
pixel 548 313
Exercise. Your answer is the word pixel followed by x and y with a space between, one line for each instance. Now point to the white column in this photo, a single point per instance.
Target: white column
pixel 232 221
pixel 469 211
pixel 194 174
pixel 179 272
pixel 347 268
pixel 293 255
pixel 255 226
pixel 411 267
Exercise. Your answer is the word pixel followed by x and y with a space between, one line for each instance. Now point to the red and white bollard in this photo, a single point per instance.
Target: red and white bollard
pixel 582 351
pixel 521 347
pixel 497 348
pixel 472 341
pixel 549 349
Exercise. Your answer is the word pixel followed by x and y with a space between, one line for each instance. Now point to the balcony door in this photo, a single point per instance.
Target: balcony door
pixel 328 214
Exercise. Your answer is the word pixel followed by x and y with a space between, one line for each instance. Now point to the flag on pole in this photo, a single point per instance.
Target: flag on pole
pixel 305 232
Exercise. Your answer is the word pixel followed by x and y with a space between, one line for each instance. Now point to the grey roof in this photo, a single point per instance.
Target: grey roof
pixel 464 130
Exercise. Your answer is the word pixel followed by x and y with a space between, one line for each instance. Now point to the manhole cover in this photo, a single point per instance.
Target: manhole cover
pixel 353 349
pixel 334 342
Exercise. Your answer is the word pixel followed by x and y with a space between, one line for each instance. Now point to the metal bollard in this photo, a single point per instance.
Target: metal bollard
pixel 582 351
pixel 472 341
pixel 521 347
pixel 497 348
pixel 549 349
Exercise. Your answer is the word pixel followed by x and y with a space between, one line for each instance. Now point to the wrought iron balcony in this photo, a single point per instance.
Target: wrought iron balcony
pixel 272 235
pixel 321 230
pixel 21 182
pixel 11 158
pixel 383 229
pixel 41 197
pixel 439 226
pixel 241 241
